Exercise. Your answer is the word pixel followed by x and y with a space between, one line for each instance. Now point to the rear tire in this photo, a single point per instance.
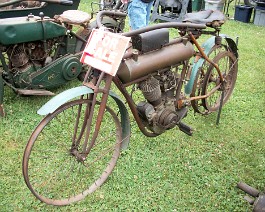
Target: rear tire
pixel 227 62
pixel 198 105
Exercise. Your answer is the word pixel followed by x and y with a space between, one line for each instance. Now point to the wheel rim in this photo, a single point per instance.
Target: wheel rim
pixel 53 173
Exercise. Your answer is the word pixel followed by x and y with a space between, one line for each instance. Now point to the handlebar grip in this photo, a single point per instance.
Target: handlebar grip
pixel 248 189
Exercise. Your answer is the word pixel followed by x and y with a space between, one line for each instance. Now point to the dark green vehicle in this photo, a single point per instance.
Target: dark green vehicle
pixel 39 49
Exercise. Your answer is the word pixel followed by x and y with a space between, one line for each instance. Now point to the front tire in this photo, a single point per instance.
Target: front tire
pixel 56 168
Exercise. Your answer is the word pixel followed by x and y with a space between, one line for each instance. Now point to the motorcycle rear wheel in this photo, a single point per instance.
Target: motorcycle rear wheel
pixel 198 105
pixel 56 169
pixel 227 62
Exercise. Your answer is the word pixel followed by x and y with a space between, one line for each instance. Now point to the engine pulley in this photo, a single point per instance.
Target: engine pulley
pixel 71 68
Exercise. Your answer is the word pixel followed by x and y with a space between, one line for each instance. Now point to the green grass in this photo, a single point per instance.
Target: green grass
pixel 172 172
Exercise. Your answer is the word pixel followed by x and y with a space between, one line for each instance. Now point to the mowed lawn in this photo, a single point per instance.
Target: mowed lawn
pixel 172 172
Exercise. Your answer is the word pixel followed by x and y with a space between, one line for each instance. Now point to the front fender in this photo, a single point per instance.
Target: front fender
pixel 207 46
pixel 67 95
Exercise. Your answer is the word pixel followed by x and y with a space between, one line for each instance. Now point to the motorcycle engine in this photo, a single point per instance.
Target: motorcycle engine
pixel 26 58
pixel 158 112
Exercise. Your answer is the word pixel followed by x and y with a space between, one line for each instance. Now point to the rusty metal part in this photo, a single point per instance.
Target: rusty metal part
pixel 100 113
pixel 248 189
pixel 129 54
pixel 259 202
pixel 206 95
pixel 205 56
pixel 196 93
pixel 65 155
pixel 148 63
pixel 133 108
pixel 228 64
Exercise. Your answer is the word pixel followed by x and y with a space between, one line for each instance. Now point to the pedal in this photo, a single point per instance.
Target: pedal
pixel 185 128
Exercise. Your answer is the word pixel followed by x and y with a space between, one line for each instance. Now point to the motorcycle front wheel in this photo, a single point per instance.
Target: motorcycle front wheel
pixel 57 168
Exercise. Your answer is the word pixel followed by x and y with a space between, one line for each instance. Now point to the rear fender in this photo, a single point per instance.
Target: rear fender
pixel 207 46
pixel 67 95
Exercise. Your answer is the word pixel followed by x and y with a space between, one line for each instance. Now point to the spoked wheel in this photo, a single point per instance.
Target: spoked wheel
pixel 227 63
pixel 56 167
pixel 197 104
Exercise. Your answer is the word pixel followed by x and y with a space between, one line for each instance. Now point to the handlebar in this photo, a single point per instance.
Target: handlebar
pixel 108 13
pixel 62 2
pixel 176 25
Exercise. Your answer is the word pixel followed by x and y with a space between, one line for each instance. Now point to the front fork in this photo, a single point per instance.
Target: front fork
pixel 88 145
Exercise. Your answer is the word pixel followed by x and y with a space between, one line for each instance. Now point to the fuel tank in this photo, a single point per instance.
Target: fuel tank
pixel 27 29
pixel 132 69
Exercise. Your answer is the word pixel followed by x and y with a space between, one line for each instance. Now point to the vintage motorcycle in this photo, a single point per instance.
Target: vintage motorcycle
pixel 38 53
pixel 75 147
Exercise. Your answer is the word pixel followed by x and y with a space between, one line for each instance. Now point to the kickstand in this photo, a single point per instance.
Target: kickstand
pixel 221 105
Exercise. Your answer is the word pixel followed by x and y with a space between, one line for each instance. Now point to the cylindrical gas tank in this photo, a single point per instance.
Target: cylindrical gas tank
pixel 131 69
pixel 27 29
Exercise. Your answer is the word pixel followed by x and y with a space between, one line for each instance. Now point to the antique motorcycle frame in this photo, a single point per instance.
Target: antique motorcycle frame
pixel 34 63
pixel 159 73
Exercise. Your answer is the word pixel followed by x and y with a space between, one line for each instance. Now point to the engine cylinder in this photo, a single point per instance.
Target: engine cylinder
pixel 151 91
pixel 150 62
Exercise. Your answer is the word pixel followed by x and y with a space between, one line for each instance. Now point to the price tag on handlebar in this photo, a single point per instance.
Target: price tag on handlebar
pixel 104 51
